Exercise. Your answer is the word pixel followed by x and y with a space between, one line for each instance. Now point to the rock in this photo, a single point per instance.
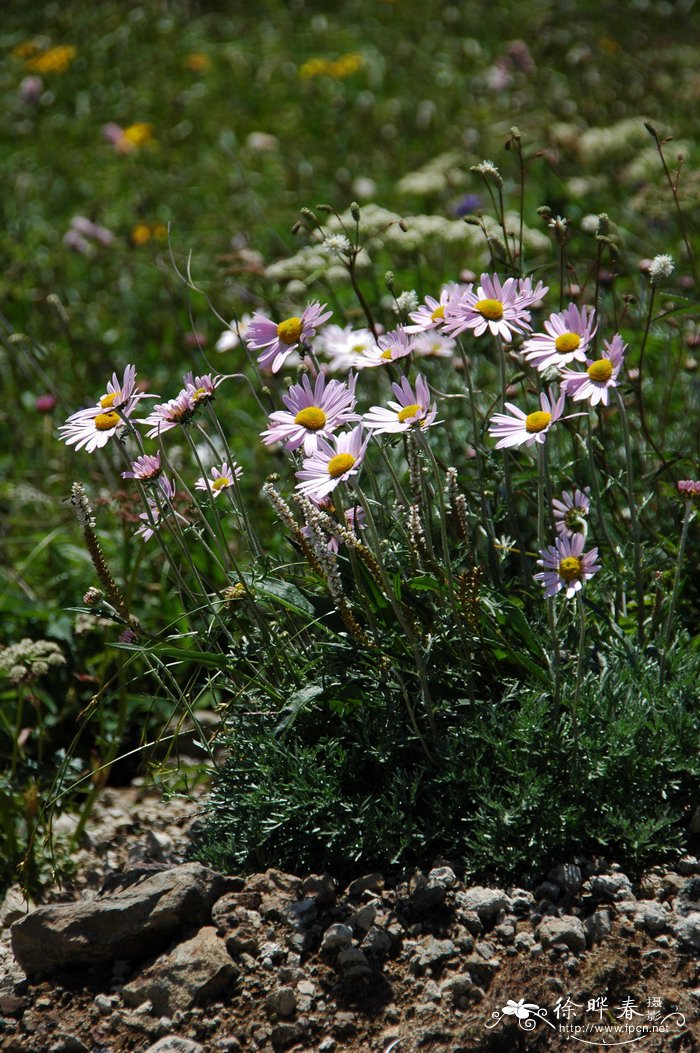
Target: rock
pixel 505 930
pixel 688 898
pixel 363 919
pixel 689 864
pixel 597 926
pixel 367 883
pixel 651 916
pixel 426 896
pixel 286 1034
pixel 336 937
pixel 130 924
pixel 606 888
pixel 276 890
pixel 443 876
pixel 457 988
pixel 104 1003
pixel 193 971
pixel 377 942
pixel 174 1044
pixel 282 1002
pixel 431 953
pixel 242 930
pixel 524 941
pixel 522 901
pixel 687 930
pixel 14 906
pixel 548 891
pixel 431 992
pixel 567 930
pixel 486 902
pixel 353 962
pixel 68 1044
pixel 568 877
pixel 321 887
pixel 327 1046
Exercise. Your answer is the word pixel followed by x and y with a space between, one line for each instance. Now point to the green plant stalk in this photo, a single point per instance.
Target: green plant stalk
pixel 579 665
pixel 676 591
pixel 17 730
pixel 633 516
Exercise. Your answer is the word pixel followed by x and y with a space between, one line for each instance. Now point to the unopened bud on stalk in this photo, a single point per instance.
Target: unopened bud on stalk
pixel 389 280
pixel 308 214
pixel 325 208
pixel 355 211
pixel 93 596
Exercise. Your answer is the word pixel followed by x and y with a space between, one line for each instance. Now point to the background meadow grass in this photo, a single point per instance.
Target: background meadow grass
pixel 244 134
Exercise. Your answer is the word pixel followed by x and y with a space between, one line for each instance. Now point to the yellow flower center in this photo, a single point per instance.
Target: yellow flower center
pixel 200 393
pixel 108 400
pixel 570 568
pixel 359 349
pixel 290 330
pixel 387 354
pixel 340 464
pixel 312 418
pixel 106 421
pixel 537 421
pixel 573 517
pixel 491 309
pixel 567 342
pixel 220 483
pixel 600 371
pixel 437 314
pixel 408 411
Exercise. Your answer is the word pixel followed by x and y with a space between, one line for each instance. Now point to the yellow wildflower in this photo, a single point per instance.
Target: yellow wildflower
pixel 197 62
pixel 55 60
pixel 141 234
pixel 25 49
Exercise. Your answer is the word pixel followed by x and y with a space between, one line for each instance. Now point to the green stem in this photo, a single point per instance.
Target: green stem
pixel 633 516
pixel 676 590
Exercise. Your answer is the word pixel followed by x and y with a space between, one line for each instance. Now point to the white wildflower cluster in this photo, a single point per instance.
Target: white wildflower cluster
pixel 81 504
pixel 407 301
pixel 660 267
pixel 590 224
pixel 85 624
pixel 26 661
pixel 336 245
pixel 488 170
pixel 598 145
pixel 442 173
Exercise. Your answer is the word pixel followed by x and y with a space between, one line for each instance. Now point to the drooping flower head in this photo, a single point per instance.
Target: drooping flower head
pixel 570 512
pixel 201 389
pixel 566 566
pixel 145 468
pixel 334 462
pixel 412 407
pixel 431 314
pixel 276 341
pixel 167 415
pixel 495 306
pixel 600 375
pixel 393 345
pixel 312 413
pixel 690 487
pixel 222 476
pixel 566 338
pixel 151 519
pixel 517 428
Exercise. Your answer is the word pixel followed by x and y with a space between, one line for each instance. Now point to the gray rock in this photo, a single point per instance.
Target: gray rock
pixel 321 887
pixel 457 988
pixel 336 937
pixel 505 930
pixel 193 971
pixel 175 1044
pixel 426 895
pixel 276 891
pixel 353 962
pixel 687 930
pixel 689 864
pixel 598 926
pixel 606 888
pixel 363 919
pixel 14 906
pixel 567 930
pixel 68 1044
pixel 431 992
pixel 548 891
pixel 486 902
pixel 377 942
pixel 524 941
pixel 444 876
pixel 651 916
pixel 282 1002
pixel 130 924
pixel 568 876
pixel 367 883
pixel 431 953
pixel 688 898
pixel 104 1003
pixel 522 901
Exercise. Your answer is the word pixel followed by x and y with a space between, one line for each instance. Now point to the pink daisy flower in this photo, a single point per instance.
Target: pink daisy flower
pixel 412 407
pixel 599 377
pixel 276 341
pixel 221 478
pixel 120 395
pixel 312 413
pixel 566 566
pixel 570 512
pixel 495 306
pixel 167 415
pixel 396 344
pixel 431 313
pixel 517 428
pixel 432 344
pixel 566 339
pixel 691 487
pixel 529 295
pixel 145 468
pixel 201 389
pixel 332 464
pixel 151 522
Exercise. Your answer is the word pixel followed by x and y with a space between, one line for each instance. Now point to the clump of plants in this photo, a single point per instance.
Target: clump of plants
pixel 447 617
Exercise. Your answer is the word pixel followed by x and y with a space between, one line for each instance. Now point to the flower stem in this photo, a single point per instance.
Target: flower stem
pixel 676 590
pixel 633 516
